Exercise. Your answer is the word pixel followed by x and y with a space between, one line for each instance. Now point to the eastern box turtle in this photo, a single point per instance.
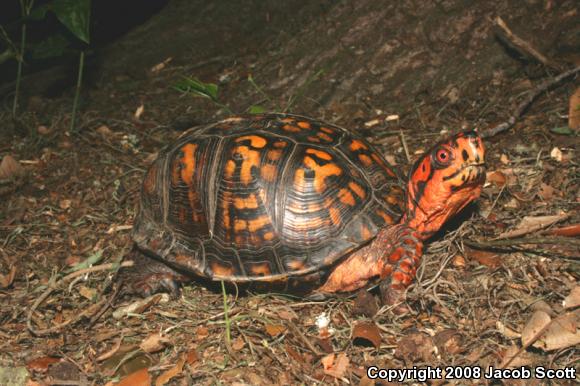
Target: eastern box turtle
pixel 287 199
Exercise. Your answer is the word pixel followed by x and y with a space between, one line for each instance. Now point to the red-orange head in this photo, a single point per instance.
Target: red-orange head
pixel 444 181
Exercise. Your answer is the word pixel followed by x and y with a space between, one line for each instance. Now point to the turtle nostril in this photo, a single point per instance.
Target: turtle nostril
pixel 464 155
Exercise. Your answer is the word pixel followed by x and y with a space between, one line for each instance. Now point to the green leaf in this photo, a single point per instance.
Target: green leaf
pixel 75 15
pixel 51 47
pixel 197 88
pixel 90 261
pixel 563 130
pixel 256 109
pixel 39 13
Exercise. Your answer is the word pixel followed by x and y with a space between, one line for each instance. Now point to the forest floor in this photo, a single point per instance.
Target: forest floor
pixel 498 287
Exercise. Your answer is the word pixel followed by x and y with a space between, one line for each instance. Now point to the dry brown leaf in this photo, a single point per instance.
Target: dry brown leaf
pixel 287 314
pixel 294 354
pixel 191 357
pixel 201 332
pixel 559 335
pixel 88 293
pixel 415 346
pixel 574 110
pixel 138 378
pixel 238 343
pixel 41 364
pixel 541 305
pixel 504 159
pixel 546 192
pixel 327 361
pixel 489 259
pixel 449 341
pixel 10 168
pixel 531 224
pixel 7 280
pixel 275 329
pixel 459 261
pixel 365 304
pixel 536 323
pixel 167 375
pixel 104 131
pixel 567 231
pixel 154 342
pixel 497 178
pixel 573 299
pixel 335 366
pixel 367 332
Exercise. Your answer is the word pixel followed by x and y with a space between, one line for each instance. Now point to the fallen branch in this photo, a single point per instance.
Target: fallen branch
pixel 527 240
pixel 522 107
pixel 523 47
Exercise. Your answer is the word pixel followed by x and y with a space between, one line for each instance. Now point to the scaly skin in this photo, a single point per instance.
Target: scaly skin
pixel 441 183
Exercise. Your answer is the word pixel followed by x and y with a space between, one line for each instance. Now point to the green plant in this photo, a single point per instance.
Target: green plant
pixel 198 88
pixel 74 15
pixel 226 315
pixel 25 7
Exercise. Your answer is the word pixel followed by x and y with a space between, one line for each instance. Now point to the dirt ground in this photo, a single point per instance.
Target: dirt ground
pixel 498 287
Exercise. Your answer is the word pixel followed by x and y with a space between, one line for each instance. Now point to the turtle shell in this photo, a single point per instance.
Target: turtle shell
pixel 265 197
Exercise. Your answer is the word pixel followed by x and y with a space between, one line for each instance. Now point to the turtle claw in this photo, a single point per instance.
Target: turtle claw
pixel 318 296
pixel 394 297
pixel 156 283
pixel 147 277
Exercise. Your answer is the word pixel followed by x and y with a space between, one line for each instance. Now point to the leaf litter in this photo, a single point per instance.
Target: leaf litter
pixel 65 212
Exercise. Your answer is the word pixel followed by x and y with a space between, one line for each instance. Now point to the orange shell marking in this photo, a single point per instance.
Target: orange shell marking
pixel 357 145
pixel 188 162
pixel 357 189
pixel 256 141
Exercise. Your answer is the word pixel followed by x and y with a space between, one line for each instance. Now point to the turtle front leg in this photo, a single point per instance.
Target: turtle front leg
pixel 148 276
pixel 393 256
pixel 401 265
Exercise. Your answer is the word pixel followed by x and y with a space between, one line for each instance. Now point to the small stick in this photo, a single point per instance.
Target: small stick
pixel 52 287
pixel 524 47
pixel 522 107
pixel 300 335
pixel 528 240
pixel 404 142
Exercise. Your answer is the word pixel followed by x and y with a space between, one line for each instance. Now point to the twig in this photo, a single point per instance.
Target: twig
pixel 530 240
pixel 404 142
pixel 53 286
pixel 524 47
pixel 522 107
pixel 300 335
pixel 506 362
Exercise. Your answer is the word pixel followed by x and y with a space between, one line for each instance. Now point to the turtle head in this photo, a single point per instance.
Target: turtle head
pixel 444 181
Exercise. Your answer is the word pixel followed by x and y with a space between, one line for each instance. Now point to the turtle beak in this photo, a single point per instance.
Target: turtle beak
pixel 475 173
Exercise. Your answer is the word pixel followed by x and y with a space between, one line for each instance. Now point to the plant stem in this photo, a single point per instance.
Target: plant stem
pixel 77 90
pixel 19 70
pixel 25 8
pixel 226 316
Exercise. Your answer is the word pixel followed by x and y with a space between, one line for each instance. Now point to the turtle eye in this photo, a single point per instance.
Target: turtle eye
pixel 443 156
